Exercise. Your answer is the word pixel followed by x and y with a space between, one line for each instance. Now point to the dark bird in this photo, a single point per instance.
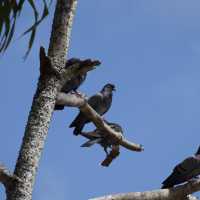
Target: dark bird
pixel 73 84
pixel 184 171
pixel 100 102
pixel 97 137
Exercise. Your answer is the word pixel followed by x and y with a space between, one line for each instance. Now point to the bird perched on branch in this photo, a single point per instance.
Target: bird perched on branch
pixel 184 171
pixel 100 102
pixel 73 84
pixel 98 137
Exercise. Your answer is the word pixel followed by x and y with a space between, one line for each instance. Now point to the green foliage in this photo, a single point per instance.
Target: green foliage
pixel 9 12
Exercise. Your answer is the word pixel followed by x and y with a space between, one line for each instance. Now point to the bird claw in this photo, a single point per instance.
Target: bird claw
pixel 194 179
pixel 78 94
pixel 103 118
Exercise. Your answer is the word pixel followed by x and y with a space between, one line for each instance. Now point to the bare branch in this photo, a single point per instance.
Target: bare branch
pixel 108 131
pixel 70 99
pixel 6 178
pixel 181 192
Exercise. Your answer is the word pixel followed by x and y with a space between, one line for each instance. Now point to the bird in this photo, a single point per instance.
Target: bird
pixel 73 84
pixel 184 171
pixel 100 102
pixel 97 137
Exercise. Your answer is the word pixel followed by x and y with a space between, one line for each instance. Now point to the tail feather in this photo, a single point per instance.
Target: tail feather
pixel 59 107
pixel 172 180
pixel 76 121
pixel 79 122
pixel 78 128
pixel 89 143
pixel 166 186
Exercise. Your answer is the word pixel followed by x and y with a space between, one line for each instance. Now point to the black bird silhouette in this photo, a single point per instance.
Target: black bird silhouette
pixel 184 171
pixel 100 102
pixel 97 137
pixel 73 84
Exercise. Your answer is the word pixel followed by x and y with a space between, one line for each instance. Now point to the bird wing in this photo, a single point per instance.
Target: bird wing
pixel 78 120
pixel 187 166
pixel 187 169
pixel 74 83
pixel 96 101
pixel 93 102
pixel 91 135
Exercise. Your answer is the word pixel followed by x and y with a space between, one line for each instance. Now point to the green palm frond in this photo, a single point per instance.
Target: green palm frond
pixel 9 12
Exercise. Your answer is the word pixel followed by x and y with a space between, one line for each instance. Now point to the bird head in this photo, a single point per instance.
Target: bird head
pixel 109 87
pixel 198 151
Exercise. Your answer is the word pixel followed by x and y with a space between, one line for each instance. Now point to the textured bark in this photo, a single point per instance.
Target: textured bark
pixel 181 192
pixel 43 104
pixel 61 30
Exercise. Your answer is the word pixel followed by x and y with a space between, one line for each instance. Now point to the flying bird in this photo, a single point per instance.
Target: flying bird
pixel 100 102
pixel 184 171
pixel 97 137
pixel 73 84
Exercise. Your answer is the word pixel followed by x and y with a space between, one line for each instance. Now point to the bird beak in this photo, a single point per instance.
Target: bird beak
pixel 114 89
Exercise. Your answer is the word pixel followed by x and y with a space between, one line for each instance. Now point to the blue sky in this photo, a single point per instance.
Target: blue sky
pixel 150 50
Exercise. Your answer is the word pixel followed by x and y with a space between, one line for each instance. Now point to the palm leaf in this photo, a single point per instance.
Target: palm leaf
pixel 32 29
pixel 10 11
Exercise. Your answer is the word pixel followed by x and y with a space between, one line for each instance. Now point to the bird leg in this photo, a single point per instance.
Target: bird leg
pixel 111 156
pixel 106 150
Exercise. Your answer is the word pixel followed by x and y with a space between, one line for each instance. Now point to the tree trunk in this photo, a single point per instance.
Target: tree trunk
pixel 43 105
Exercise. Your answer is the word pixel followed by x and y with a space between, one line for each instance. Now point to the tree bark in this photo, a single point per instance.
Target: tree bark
pixel 43 104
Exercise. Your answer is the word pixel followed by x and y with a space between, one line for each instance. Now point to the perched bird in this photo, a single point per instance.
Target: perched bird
pixel 73 84
pixel 100 102
pixel 97 137
pixel 184 171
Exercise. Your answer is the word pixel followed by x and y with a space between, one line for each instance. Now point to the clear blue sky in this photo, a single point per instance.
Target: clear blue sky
pixel 151 50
